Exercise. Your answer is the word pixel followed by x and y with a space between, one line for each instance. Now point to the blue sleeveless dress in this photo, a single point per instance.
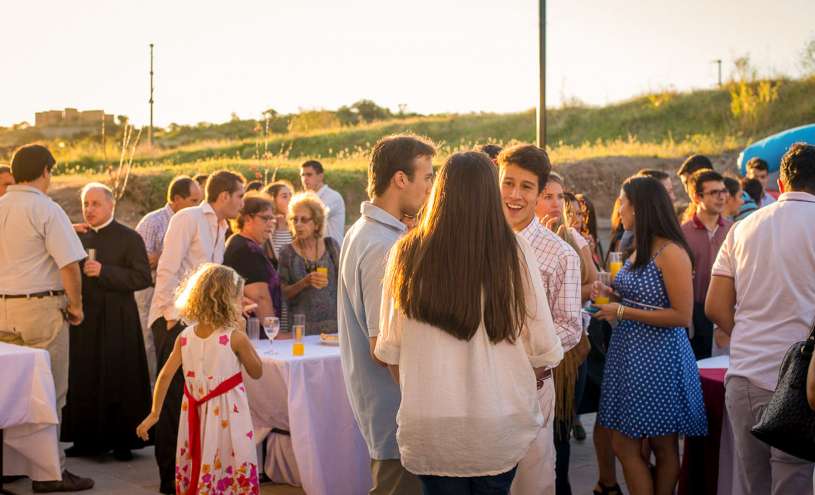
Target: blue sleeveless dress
pixel 651 384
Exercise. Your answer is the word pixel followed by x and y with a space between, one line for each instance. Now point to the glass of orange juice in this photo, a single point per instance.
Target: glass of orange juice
pixel 605 279
pixel 299 328
pixel 323 270
pixel 615 263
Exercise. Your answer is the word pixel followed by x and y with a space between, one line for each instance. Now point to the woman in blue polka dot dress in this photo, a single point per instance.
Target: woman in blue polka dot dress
pixel 651 388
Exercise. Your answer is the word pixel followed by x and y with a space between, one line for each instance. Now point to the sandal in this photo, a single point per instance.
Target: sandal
pixel 579 432
pixel 608 490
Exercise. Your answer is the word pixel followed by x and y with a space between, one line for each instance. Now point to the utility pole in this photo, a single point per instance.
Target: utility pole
pixel 719 63
pixel 541 131
pixel 150 129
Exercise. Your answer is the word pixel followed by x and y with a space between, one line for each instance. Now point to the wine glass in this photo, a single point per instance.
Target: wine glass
pixel 271 327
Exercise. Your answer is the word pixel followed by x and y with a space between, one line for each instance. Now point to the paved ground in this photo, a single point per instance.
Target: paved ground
pixel 139 477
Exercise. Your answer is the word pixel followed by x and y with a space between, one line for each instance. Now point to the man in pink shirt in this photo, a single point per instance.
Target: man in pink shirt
pixel 704 228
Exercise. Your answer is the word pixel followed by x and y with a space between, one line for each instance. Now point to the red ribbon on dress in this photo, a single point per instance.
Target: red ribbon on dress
pixel 194 424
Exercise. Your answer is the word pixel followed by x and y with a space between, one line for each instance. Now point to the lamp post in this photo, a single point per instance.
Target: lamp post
pixel 541 113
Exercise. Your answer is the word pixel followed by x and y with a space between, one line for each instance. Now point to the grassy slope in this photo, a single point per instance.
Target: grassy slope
pixel 681 123
pixel 618 139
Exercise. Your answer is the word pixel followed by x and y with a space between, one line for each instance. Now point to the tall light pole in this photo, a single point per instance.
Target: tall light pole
pixel 150 129
pixel 541 128
pixel 719 63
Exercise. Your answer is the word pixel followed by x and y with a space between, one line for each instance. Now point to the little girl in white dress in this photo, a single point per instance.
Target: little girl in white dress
pixel 216 449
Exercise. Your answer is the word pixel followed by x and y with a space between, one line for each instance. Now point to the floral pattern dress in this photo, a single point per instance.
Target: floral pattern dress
pixel 228 455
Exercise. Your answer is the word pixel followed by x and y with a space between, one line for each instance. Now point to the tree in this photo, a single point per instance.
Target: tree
pixel 369 111
pixel 743 70
pixel 347 115
pixel 808 58
pixel 270 113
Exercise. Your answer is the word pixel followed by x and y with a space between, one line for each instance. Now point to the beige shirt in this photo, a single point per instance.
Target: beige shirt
pixel 36 240
pixel 194 236
pixel 770 256
pixel 469 408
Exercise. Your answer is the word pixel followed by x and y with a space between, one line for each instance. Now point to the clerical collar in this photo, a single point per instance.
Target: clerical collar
pixel 97 229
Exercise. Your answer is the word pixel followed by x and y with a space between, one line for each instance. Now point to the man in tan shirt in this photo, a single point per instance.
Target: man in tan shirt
pixel 40 280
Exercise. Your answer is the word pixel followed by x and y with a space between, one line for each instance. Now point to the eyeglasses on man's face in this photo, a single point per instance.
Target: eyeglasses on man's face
pixel 715 192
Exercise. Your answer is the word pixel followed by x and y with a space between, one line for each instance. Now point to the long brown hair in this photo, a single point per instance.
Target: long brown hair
pixel 462 263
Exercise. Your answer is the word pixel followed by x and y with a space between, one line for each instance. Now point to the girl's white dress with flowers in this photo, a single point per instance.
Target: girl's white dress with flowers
pixel 228 455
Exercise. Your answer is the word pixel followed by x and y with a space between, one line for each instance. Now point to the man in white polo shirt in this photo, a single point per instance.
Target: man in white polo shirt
pixel 40 280
pixel 762 294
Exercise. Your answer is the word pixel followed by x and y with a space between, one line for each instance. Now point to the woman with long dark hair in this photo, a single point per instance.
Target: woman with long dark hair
pixel 651 388
pixel 467 332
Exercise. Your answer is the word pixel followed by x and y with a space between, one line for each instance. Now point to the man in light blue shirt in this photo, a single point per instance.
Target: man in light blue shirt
pixel 399 180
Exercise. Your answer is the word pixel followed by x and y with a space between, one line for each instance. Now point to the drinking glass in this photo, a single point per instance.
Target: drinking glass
pixel 323 270
pixel 253 329
pixel 299 327
pixel 91 254
pixel 605 279
pixel 271 327
pixel 615 263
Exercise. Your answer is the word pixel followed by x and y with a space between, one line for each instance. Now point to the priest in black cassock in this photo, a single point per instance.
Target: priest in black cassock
pixel 108 381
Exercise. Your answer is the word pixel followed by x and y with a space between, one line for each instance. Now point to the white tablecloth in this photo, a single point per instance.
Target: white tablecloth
pixel 306 396
pixel 28 414
pixel 729 482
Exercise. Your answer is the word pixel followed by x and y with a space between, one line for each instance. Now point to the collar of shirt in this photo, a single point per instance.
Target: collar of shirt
pixel 534 226
pixel 207 209
pixel 787 196
pixel 97 229
pixel 377 214
pixel 169 210
pixel 697 222
pixel 25 188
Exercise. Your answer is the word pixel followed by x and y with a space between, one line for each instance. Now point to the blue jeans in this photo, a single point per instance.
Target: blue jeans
pixel 479 485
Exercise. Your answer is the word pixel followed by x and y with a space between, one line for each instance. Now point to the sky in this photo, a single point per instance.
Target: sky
pixel 216 58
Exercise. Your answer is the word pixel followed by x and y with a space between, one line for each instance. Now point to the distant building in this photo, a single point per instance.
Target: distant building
pixel 69 122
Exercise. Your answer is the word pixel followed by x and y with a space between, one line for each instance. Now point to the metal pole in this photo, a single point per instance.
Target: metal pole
pixel 541 114
pixel 150 129
pixel 719 63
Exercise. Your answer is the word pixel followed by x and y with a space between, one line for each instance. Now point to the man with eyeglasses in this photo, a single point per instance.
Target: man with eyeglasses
pixel 705 230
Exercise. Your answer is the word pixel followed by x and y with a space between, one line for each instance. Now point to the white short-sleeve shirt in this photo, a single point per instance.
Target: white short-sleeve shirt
pixel 770 256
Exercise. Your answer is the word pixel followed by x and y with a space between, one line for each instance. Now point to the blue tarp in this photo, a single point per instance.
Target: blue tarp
pixel 772 148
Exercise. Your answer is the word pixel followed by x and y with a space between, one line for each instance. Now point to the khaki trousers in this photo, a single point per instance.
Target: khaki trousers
pixel 763 469
pixel 391 478
pixel 535 474
pixel 38 322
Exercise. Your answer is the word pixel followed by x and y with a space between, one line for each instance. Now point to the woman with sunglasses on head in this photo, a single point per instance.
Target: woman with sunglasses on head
pixel 246 255
pixel 308 266
pixel 651 388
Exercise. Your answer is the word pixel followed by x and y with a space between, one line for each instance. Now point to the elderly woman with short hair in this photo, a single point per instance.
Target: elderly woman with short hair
pixel 308 266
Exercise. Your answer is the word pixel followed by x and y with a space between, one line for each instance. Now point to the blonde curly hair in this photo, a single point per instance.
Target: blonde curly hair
pixel 212 296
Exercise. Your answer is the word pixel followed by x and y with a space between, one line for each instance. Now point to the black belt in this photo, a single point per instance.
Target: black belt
pixel 47 293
